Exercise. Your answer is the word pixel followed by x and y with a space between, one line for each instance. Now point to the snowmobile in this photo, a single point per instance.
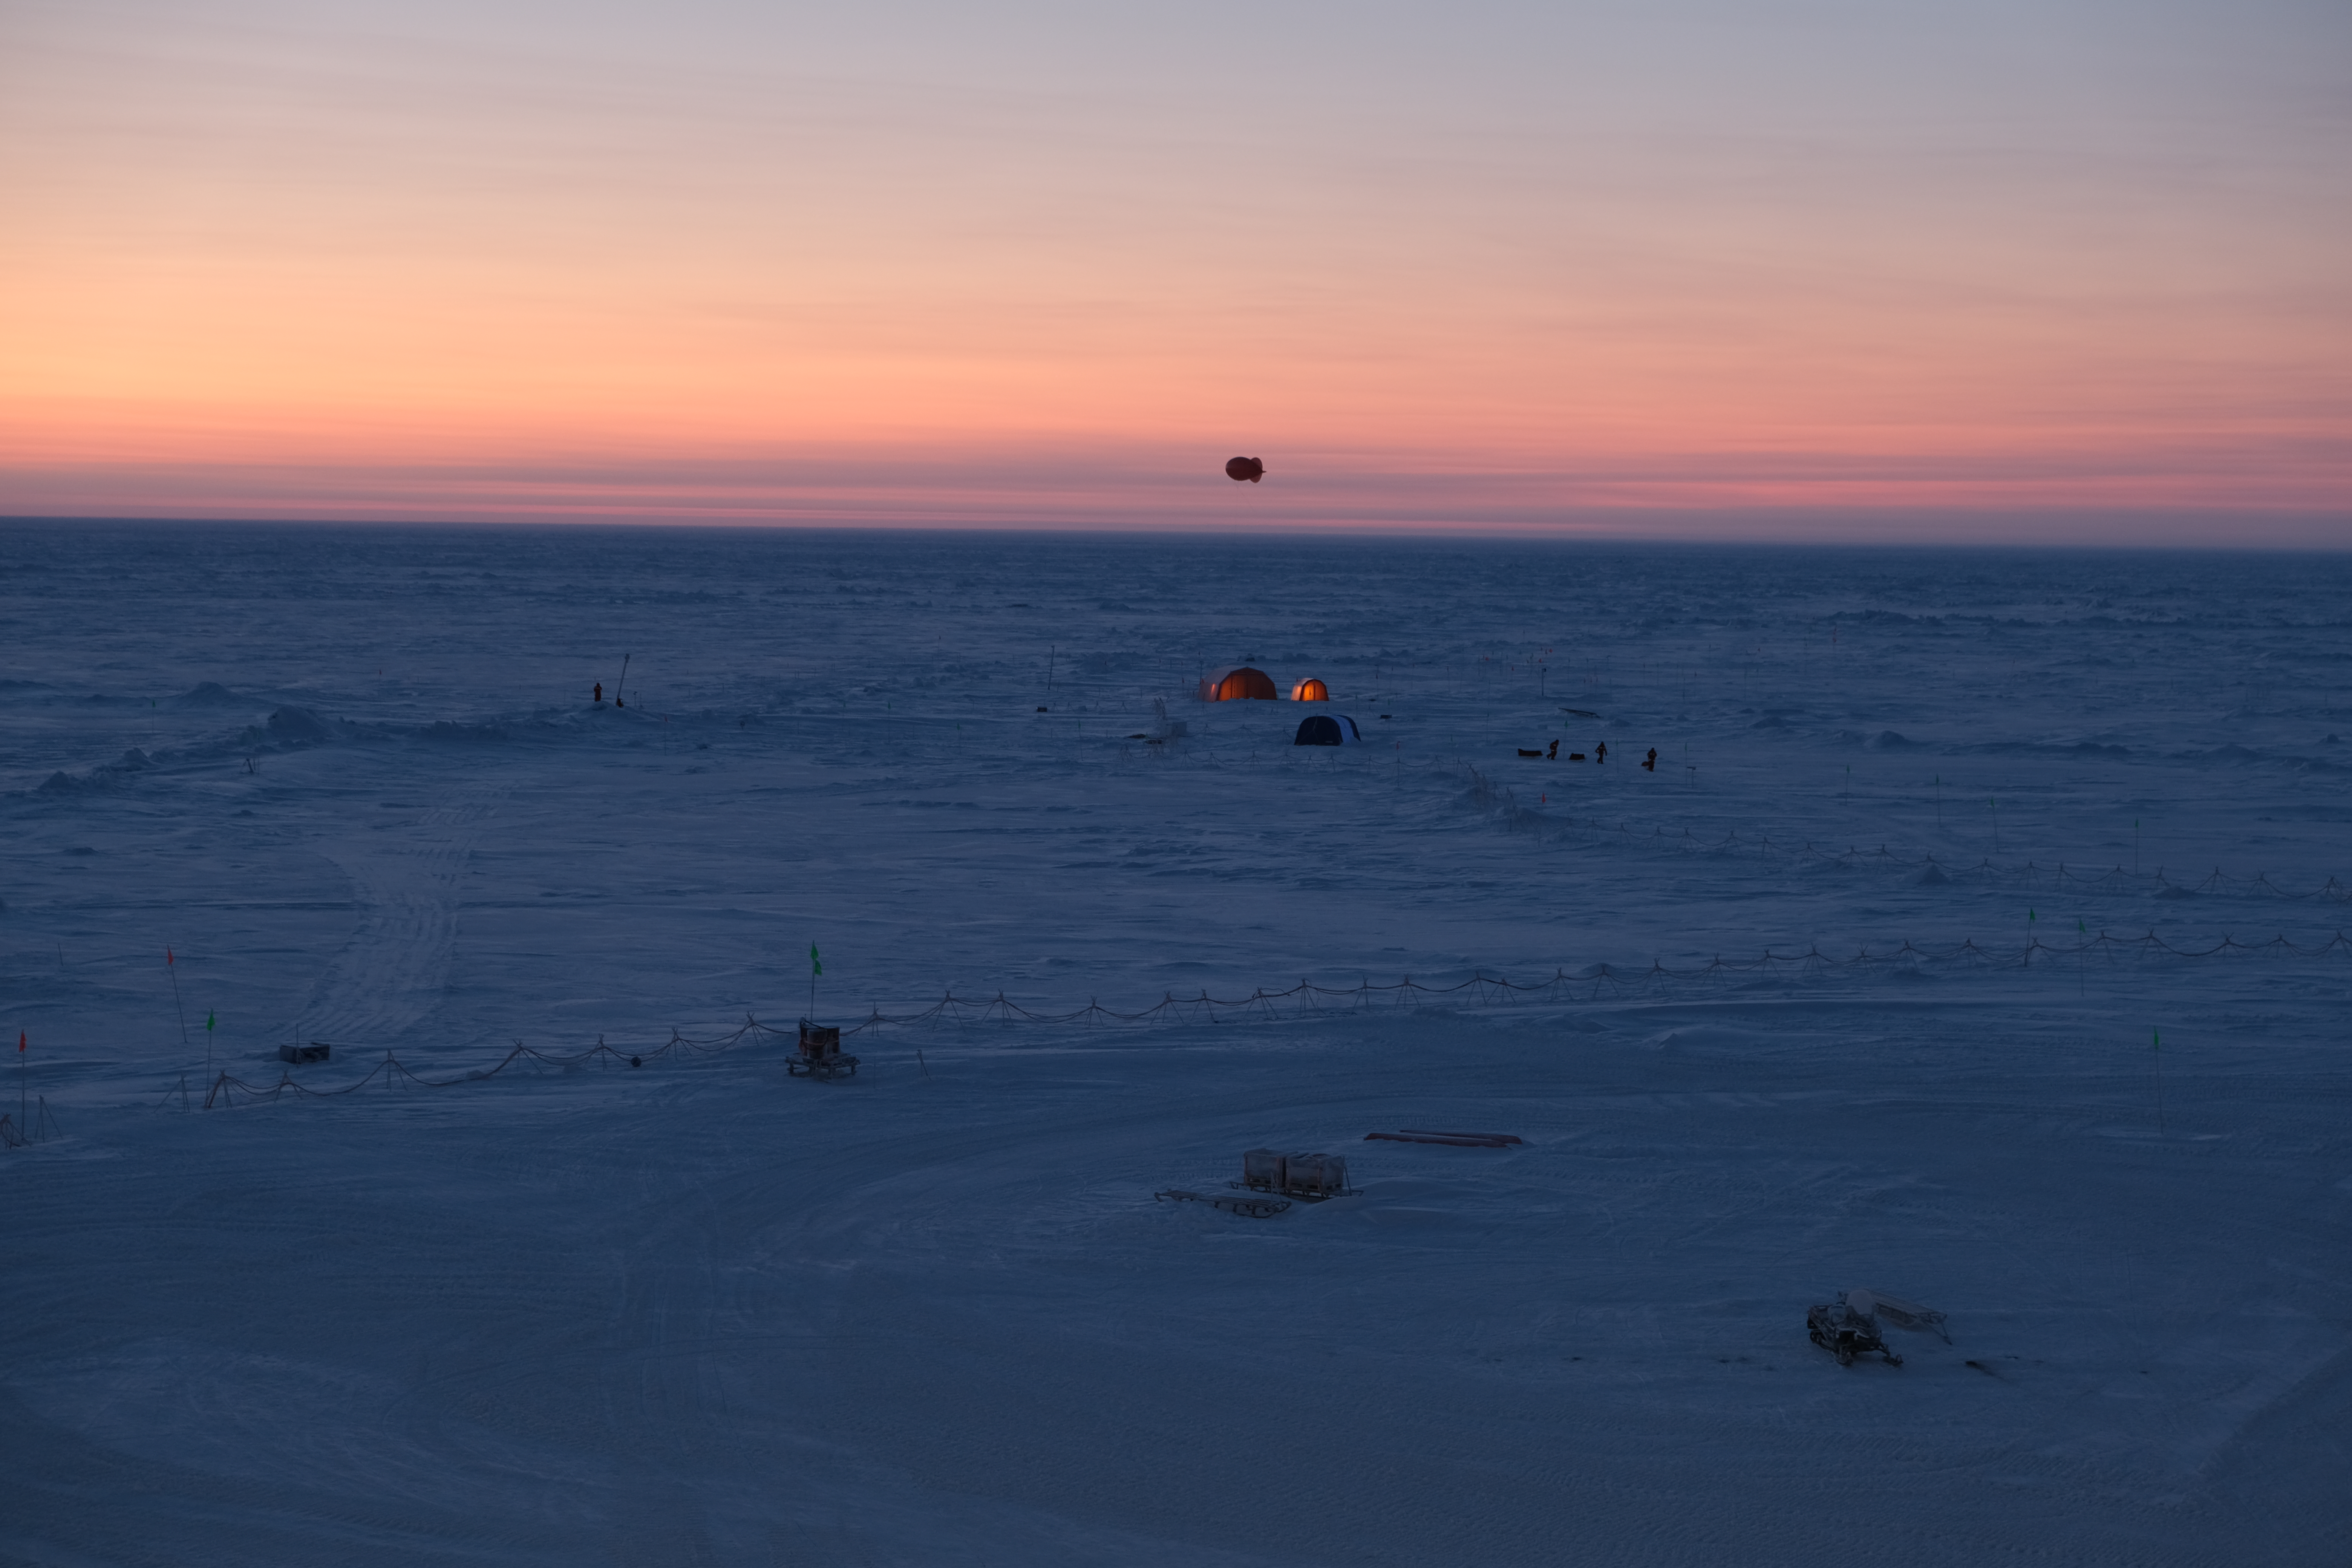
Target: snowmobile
pixel 1847 1329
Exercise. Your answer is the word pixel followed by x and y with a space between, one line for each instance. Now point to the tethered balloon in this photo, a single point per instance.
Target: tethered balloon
pixel 1249 468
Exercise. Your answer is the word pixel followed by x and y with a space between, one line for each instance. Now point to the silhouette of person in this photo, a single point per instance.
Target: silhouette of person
pixel 1653 763
pixel 599 692
pixel 1552 756
pixel 1601 753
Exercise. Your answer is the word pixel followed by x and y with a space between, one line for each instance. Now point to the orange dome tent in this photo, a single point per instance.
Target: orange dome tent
pixel 1310 690
pixel 1236 682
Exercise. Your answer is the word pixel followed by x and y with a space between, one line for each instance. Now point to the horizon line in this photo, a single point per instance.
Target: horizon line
pixel 2317 534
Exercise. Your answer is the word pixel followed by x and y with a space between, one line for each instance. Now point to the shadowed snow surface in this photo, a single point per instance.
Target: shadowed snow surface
pixel 700 1312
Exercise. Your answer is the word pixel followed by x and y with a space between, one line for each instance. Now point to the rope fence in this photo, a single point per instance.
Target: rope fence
pixel 1599 983
pixel 37 1126
pixel 393 1073
pixel 1504 799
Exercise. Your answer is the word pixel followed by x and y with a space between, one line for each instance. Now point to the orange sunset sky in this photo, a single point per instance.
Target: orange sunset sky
pixel 1882 271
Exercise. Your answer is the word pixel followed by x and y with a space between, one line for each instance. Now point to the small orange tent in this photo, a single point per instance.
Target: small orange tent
pixel 1310 690
pixel 1236 682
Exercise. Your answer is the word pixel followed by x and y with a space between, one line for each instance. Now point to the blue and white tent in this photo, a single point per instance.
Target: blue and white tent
pixel 1328 729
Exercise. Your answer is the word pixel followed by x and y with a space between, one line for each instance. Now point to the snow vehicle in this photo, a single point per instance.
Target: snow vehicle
pixel 820 1053
pixel 1846 1328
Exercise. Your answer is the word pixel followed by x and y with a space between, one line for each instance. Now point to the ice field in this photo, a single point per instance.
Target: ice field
pixel 702 1312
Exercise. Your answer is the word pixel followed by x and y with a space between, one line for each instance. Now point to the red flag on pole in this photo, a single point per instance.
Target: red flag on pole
pixel 167 958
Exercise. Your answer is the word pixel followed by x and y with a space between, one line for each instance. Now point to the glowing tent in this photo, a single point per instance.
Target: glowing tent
pixel 1310 690
pixel 1328 729
pixel 1236 682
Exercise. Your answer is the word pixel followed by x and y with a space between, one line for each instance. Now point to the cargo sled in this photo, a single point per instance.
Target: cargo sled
pixel 1311 1178
pixel 1846 1328
pixel 1250 1207
pixel 820 1053
pixel 1903 1313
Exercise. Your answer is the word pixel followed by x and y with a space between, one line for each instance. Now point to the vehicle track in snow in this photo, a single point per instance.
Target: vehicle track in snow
pixel 406 879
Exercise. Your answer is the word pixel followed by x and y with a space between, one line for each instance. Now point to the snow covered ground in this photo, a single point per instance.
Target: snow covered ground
pixel 699 1312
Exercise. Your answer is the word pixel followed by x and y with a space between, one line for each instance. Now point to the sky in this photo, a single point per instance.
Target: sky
pixel 1977 269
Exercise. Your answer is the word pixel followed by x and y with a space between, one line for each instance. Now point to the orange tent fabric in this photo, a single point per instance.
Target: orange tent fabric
pixel 1236 682
pixel 1310 690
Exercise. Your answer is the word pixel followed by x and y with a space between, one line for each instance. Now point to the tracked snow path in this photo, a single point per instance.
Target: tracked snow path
pixel 407 875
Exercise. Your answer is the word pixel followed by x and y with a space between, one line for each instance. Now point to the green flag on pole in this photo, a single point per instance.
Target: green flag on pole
pixel 816 965
pixel 208 1023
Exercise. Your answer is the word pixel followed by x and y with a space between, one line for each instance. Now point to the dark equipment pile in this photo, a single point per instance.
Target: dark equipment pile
pixel 820 1053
